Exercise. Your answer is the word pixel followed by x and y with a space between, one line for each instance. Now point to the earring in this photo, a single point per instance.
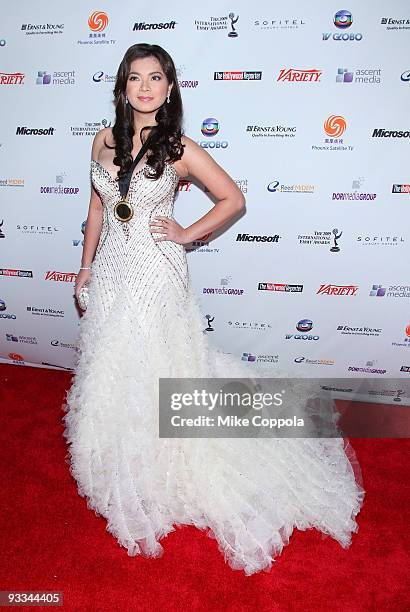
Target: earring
pixel 126 99
pixel 168 98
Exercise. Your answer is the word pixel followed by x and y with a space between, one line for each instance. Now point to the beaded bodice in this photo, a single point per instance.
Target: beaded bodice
pixel 147 196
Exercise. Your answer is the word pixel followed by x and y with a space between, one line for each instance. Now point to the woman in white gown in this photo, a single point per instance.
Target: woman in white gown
pixel 142 322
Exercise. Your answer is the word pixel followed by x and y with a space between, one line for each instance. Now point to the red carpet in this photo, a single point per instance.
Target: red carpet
pixel 52 542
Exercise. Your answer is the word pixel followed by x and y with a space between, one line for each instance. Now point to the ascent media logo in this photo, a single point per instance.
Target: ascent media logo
pixel 393 291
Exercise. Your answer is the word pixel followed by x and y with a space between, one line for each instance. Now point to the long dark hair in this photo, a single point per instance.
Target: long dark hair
pixel 165 138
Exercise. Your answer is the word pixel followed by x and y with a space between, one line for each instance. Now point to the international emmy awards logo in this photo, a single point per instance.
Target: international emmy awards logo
pixel 399 393
pixel 336 248
pixel 234 33
pixel 1 231
pixel 209 319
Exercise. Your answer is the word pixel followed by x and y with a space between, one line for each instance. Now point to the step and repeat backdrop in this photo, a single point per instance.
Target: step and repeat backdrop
pixel 305 107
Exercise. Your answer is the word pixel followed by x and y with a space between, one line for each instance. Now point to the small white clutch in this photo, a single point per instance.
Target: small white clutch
pixel 83 297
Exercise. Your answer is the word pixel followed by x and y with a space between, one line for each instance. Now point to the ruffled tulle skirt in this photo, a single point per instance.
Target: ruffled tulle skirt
pixel 247 493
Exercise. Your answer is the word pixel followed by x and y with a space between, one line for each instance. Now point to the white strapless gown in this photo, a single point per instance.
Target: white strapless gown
pixel 143 322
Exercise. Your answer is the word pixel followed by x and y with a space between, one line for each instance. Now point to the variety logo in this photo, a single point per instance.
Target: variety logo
pixel 342 20
pixel 66 77
pixel 361 75
pixel 382 133
pixel 294 75
pixel 257 238
pixel 405 76
pixel 64 277
pixel 405 368
pixel 394 291
pixel 281 287
pixel 277 187
pixel 337 290
pixel 11 78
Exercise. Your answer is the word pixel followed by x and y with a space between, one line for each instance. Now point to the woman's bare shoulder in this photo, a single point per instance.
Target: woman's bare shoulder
pixel 103 138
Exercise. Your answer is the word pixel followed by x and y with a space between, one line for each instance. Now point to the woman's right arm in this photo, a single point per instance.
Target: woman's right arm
pixel 93 224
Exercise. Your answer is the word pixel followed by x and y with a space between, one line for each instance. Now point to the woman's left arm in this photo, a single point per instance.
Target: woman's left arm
pixel 230 199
